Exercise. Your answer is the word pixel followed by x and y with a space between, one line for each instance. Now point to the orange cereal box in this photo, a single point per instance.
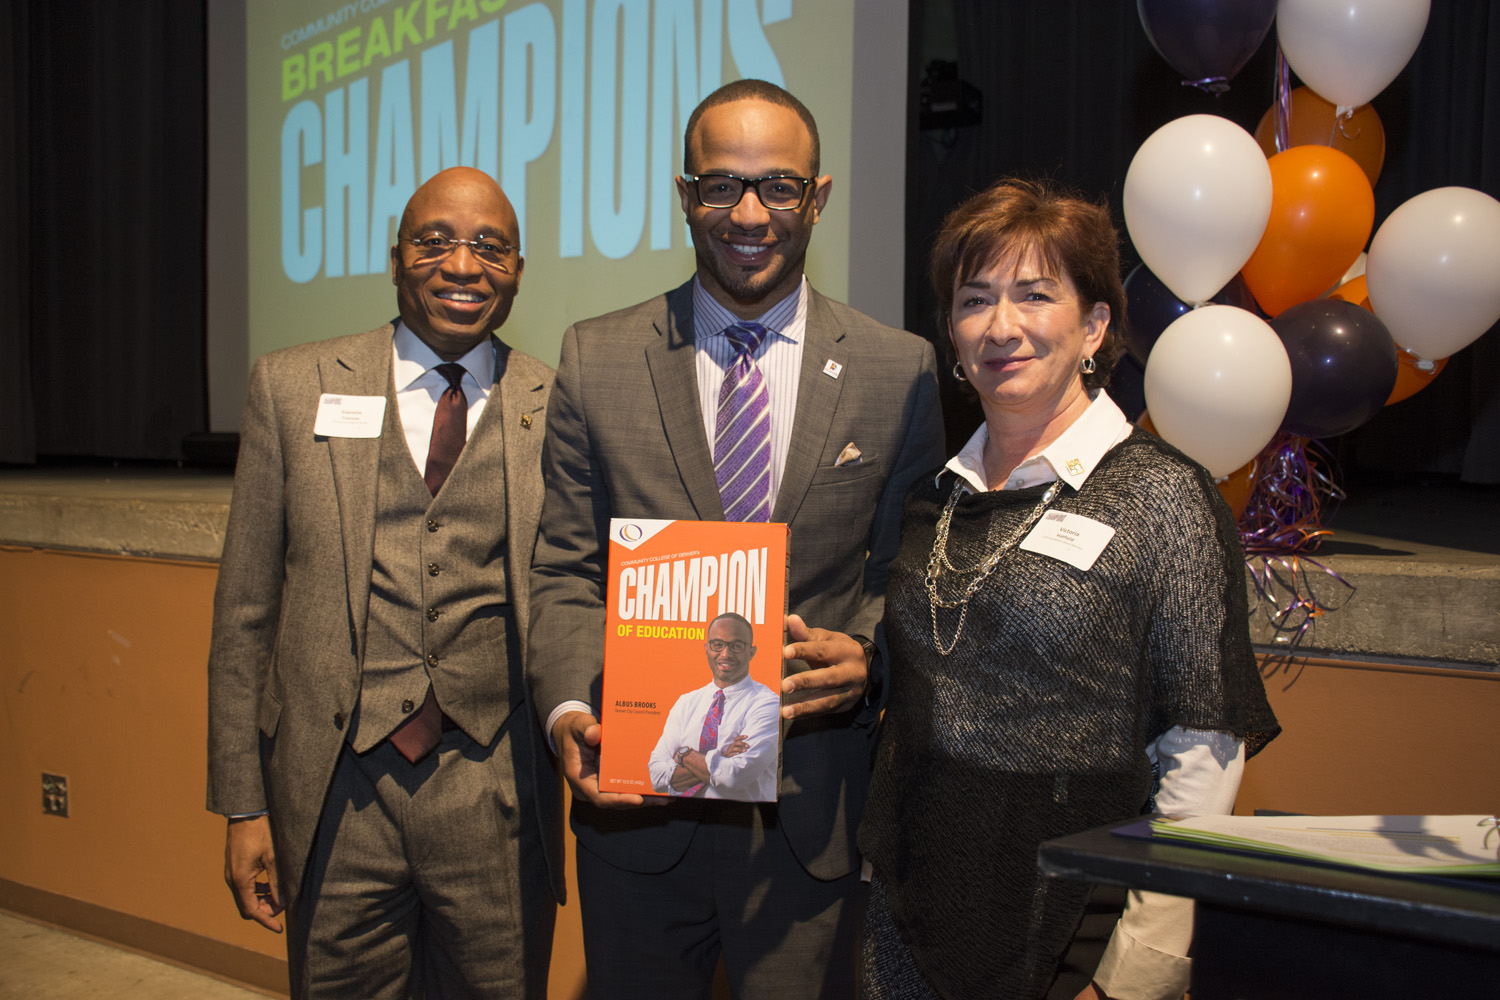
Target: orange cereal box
pixel 692 659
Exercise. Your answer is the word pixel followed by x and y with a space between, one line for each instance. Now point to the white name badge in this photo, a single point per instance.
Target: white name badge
pixel 349 416
pixel 1073 538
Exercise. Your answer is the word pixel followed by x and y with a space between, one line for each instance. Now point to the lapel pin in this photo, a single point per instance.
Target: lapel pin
pixel 1075 467
pixel 525 420
pixel 831 368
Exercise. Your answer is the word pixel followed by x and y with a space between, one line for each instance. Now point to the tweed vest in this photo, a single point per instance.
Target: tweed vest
pixel 439 607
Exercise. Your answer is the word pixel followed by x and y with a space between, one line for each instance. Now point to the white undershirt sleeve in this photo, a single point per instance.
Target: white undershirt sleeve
pixel 1146 958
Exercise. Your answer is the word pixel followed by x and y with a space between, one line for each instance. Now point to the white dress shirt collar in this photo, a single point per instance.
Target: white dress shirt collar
pixel 1071 458
pixel 787 317
pixel 415 359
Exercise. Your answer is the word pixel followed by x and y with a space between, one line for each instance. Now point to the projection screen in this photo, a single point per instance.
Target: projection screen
pixel 325 118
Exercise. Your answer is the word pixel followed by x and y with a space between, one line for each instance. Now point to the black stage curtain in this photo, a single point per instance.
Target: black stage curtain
pixel 1071 89
pixel 17 428
pixel 103 200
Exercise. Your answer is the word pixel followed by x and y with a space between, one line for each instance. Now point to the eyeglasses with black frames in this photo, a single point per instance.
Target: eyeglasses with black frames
pixel 780 193
pixel 735 646
pixel 434 247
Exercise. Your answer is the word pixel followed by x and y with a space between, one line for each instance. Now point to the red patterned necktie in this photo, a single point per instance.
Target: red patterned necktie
pixel 709 738
pixel 450 427
pixel 417 736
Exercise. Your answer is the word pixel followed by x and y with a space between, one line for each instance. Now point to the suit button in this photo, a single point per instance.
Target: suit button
pixel 432 569
pixel 407 706
pixel 432 525
pixel 431 660
pixel 432 614
pixel 338 720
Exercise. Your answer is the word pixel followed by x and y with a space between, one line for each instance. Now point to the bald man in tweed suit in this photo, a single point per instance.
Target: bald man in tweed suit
pixel 370 739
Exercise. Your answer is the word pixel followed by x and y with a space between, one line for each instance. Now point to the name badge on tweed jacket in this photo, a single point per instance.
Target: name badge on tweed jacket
pixel 349 416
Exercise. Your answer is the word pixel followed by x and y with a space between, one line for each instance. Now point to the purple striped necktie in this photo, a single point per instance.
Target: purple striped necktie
pixel 742 431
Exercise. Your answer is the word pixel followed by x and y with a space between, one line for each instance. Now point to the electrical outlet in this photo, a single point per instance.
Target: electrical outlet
pixel 54 794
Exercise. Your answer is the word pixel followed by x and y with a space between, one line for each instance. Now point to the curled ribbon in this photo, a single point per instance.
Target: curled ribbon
pixel 1283 102
pixel 1209 84
pixel 1282 523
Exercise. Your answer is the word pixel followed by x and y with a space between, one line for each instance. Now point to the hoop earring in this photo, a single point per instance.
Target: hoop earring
pixel 958 372
pixel 1087 366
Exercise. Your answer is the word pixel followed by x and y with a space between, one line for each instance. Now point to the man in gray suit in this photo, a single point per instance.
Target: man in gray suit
pixel 651 406
pixel 369 739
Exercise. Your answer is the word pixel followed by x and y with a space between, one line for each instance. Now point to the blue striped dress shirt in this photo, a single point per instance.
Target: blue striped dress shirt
pixel 779 360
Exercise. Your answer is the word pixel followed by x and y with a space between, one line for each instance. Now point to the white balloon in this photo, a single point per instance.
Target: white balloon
pixel 1217 385
pixel 1434 270
pixel 1197 200
pixel 1349 50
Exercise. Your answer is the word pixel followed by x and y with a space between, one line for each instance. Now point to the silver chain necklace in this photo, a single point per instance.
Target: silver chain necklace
pixel 938 561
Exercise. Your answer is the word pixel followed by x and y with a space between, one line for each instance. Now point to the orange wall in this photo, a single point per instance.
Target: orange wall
pixel 1371 739
pixel 102 669
pixel 104 681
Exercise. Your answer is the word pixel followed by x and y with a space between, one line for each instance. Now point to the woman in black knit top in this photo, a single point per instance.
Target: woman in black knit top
pixel 1067 627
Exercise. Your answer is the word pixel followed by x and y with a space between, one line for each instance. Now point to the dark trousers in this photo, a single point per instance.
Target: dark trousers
pixel 738 891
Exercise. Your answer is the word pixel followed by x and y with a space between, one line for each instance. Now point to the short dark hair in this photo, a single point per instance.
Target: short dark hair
pixel 733 617
pixel 750 90
pixel 1071 235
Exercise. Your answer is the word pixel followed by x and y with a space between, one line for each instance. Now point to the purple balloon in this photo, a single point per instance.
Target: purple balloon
pixel 1343 366
pixel 1207 41
pixel 1151 307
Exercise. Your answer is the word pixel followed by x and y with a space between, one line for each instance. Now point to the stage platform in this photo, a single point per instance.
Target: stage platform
pixel 1424 558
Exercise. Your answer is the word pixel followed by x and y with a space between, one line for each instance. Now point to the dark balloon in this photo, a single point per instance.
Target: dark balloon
pixel 1343 366
pixel 1151 307
pixel 1207 41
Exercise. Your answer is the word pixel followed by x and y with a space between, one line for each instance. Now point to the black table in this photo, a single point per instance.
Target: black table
pixel 1267 929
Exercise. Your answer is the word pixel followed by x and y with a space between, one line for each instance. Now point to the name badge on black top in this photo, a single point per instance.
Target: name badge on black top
pixel 1073 538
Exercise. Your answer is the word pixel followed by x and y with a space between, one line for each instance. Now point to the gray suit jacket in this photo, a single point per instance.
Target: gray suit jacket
pixel 291 606
pixel 625 438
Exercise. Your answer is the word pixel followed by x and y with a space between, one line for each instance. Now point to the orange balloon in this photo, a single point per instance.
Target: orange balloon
pixel 1314 122
pixel 1411 377
pixel 1354 290
pixel 1235 488
pixel 1322 211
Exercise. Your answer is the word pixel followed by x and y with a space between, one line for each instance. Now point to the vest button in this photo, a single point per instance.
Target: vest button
pixel 432 569
pixel 407 706
pixel 432 525
pixel 432 614
pixel 431 660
